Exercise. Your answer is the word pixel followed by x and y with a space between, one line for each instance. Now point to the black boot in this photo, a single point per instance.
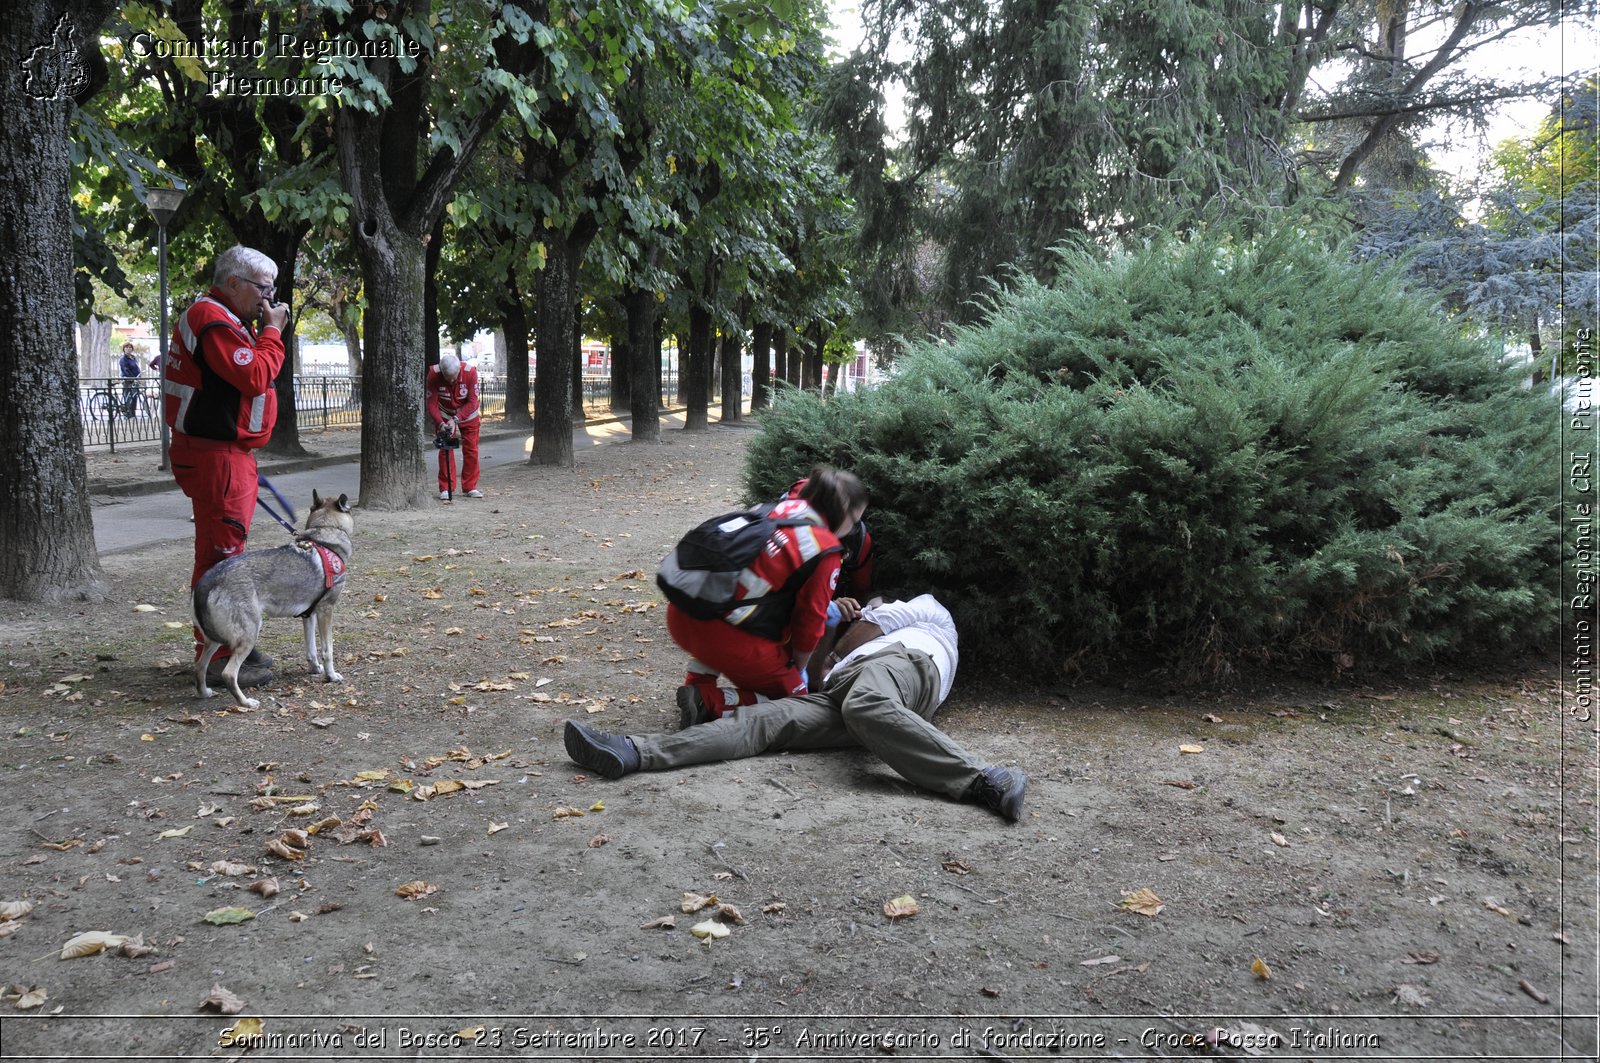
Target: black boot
pixel 1000 790
pixel 610 755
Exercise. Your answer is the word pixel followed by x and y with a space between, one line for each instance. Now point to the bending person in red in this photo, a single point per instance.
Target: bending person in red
pixel 763 650
pixel 857 567
pixel 453 406
pixel 221 405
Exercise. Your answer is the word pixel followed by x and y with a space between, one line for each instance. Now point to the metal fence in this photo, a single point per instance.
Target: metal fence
pixel 116 411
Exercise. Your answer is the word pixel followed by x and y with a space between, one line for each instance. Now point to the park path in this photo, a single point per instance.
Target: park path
pixel 136 504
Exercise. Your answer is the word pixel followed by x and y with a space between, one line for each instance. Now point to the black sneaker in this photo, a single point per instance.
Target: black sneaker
pixel 610 755
pixel 691 708
pixel 250 675
pixel 257 659
pixel 1000 790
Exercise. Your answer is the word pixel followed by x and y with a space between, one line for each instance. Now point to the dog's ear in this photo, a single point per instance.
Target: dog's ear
pixel 316 499
pixel 343 504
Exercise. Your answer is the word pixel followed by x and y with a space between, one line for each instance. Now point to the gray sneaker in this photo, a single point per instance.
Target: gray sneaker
pixel 250 675
pixel 691 708
pixel 1000 790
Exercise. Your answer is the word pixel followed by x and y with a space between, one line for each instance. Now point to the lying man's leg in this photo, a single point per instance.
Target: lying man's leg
pixel 809 722
pixel 888 701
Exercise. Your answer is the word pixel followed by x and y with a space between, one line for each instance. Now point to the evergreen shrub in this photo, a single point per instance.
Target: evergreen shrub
pixel 1203 456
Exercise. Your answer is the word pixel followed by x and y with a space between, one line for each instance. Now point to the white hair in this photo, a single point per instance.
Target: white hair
pixel 449 365
pixel 241 261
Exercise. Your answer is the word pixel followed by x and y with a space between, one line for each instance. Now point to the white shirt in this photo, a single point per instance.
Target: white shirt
pixel 921 624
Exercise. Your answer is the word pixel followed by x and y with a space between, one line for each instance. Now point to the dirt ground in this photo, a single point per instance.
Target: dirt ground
pixel 1404 869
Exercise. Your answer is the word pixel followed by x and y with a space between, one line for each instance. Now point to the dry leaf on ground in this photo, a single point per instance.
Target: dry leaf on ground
pixel 902 907
pixel 222 1000
pixel 665 922
pixel 1142 901
pixel 91 942
pixel 418 888
pixel 10 910
pixel 1261 970
pixel 710 930
pixel 693 902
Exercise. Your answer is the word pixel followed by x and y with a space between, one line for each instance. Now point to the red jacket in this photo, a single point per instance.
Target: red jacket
pixel 220 375
pixel 457 398
pixel 785 554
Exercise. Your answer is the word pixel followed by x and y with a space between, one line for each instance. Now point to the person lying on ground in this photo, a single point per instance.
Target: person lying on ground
pixel 890 676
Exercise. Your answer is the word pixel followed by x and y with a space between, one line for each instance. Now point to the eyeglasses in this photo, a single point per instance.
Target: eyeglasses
pixel 266 290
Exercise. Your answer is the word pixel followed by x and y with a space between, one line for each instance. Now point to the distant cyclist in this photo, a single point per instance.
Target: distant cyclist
pixel 128 366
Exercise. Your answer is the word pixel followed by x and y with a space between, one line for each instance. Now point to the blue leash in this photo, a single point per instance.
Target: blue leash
pixel 286 521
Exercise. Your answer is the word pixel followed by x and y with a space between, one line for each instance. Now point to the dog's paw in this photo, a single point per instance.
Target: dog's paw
pixel 250 703
pixel 332 677
pixel 207 692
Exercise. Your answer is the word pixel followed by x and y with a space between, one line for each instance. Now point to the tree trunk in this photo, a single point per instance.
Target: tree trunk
pixel 761 367
pixel 552 386
pixel 393 473
pixel 813 364
pixel 430 294
pixel 644 364
pixel 46 534
pixel 579 415
pixel 283 247
pixel 696 370
pixel 682 378
pixel 780 354
pixel 621 382
pixel 94 348
pixel 514 328
pixel 732 377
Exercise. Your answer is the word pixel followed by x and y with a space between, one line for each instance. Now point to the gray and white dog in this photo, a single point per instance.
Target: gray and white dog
pixel 303 579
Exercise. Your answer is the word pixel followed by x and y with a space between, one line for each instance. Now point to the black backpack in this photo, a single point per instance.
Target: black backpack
pixel 701 575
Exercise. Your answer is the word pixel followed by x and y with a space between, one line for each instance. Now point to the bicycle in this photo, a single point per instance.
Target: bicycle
pixel 105 402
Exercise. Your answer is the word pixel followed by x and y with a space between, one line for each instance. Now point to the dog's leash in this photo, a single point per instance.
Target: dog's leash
pixel 286 521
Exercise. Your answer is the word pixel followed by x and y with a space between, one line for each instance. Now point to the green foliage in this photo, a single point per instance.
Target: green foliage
pixel 1203 456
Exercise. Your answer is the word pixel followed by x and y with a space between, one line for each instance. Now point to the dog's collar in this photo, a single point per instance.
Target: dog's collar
pixel 332 571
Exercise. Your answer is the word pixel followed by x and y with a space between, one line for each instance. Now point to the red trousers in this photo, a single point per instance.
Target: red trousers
pixel 468 476
pixel 220 480
pixel 753 665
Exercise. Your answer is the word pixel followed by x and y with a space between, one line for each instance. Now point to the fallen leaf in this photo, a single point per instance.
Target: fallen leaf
pixel 228 916
pixel 666 922
pixel 144 608
pixel 267 887
pixel 496 828
pixel 1279 840
pixel 35 997
pixel 1421 957
pixel 1524 985
pixel 1191 747
pixel 10 910
pixel 1415 996
pixel 176 832
pixel 222 1000
pixel 902 907
pixel 164 965
pixel 1211 717
pixel 774 908
pixel 243 1032
pixel 563 812
pixel 1142 901
pixel 598 840
pixel 298 917
pixel 1494 905
pixel 1181 784
pixel 278 847
pixel 1261 970
pixel 956 867
pixel 229 869
pixel 710 930
pixel 135 947
pixel 61 847
pixel 418 888
pixel 90 943
pixel 729 913
pixel 693 902
pixel 1099 961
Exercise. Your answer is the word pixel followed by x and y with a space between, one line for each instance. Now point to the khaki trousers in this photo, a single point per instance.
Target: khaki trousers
pixel 884 703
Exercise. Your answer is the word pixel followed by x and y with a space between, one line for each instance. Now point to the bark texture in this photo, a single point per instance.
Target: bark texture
pixel 47 546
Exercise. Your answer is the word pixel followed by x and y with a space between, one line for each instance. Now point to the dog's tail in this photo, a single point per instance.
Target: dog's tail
pixel 202 612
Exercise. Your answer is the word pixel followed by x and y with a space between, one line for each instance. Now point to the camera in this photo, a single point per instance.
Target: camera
pixel 447 438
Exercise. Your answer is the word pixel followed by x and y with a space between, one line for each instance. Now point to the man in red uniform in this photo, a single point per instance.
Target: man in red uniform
pixel 453 405
pixel 221 406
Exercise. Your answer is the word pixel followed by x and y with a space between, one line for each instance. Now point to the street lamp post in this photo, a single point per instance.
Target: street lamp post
pixel 163 204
